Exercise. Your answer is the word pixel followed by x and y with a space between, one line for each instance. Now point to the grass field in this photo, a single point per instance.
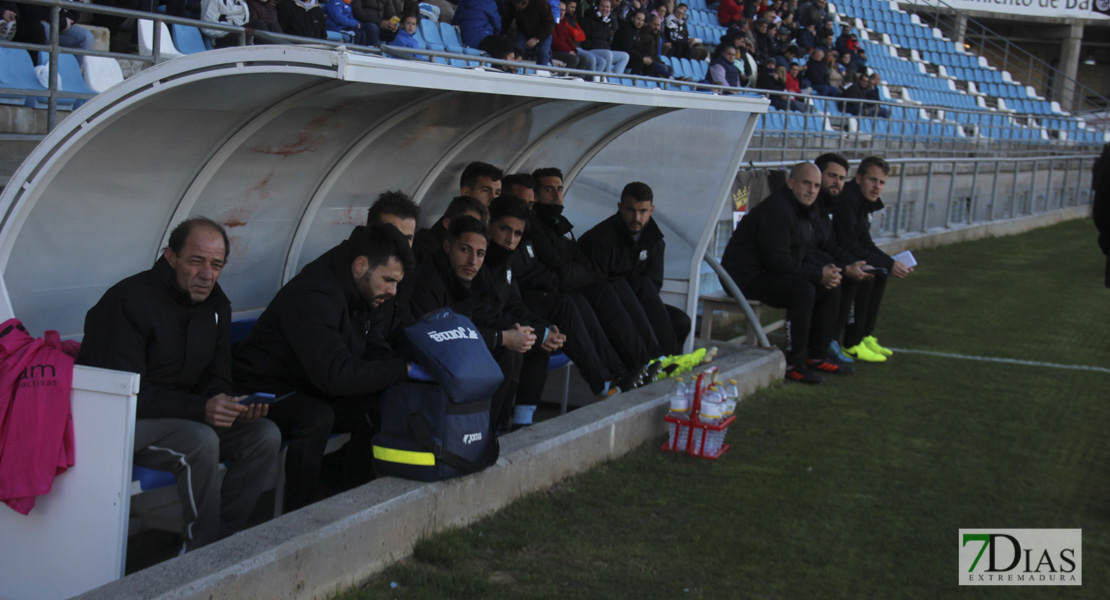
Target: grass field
pixel 855 488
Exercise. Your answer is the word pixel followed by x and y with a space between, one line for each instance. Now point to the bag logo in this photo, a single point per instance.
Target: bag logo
pixel 458 333
pixel 472 437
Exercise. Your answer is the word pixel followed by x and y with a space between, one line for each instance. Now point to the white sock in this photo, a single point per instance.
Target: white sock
pixel 522 414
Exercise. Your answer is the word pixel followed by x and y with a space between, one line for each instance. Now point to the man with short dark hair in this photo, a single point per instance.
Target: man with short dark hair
pixel 172 326
pixel 395 208
pixel 428 240
pixel 852 224
pixel 481 181
pixel 773 257
pixel 315 339
pixel 449 277
pixel 628 247
pixel 520 185
pixel 834 169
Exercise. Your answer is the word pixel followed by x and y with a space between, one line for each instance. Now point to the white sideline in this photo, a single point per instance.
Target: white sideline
pixel 1009 361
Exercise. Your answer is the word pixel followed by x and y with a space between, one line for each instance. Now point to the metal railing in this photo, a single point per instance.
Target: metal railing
pixel 946 130
pixel 1005 55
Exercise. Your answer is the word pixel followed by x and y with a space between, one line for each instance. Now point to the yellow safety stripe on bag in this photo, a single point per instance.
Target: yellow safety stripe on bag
pixel 408 457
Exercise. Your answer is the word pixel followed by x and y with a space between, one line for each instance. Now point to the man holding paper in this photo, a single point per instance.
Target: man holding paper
pixel 852 225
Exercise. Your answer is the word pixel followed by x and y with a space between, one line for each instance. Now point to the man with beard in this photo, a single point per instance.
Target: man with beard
pixel 628 249
pixel 834 169
pixel 773 257
pixel 852 224
pixel 315 339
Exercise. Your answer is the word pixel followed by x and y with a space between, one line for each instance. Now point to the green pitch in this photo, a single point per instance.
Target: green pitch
pixel 852 489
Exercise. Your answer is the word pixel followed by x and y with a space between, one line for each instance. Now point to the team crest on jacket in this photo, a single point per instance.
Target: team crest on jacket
pixel 643 254
pixel 509 276
pixel 569 236
pixel 528 249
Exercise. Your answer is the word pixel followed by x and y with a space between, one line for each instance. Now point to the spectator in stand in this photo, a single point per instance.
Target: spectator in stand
pixel 773 78
pixel 826 43
pixel 600 27
pixel 791 78
pixel 764 42
pixel 565 39
pixel 744 29
pixel 730 13
pixel 663 8
pixel 843 64
pixel 782 38
pixel 232 12
pixel 842 39
pixel 478 20
pixel 264 16
pixel 806 38
pixel 746 62
pixel 32 26
pixel 406 36
pixel 380 18
pixel 817 73
pixel 677 35
pixel 533 23
pixel 873 94
pixel 722 69
pixel 305 18
pixel 859 61
pixel 630 41
pixel 836 75
pixel 814 13
pixel 857 91
pixel 651 46
pixel 789 56
pixel 341 19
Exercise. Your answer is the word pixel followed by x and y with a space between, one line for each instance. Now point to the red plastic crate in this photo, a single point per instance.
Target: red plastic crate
pixel 696 427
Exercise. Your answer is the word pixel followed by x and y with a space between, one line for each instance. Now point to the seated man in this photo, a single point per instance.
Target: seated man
pixel 628 248
pixel 520 185
pixel 552 268
pixel 508 217
pixel 481 181
pixel 772 258
pixel 852 224
pixel 315 340
pixel 448 278
pixel 430 239
pixel 172 326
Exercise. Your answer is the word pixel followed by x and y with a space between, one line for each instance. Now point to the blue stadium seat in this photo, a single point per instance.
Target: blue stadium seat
pixel 18 72
pixel 430 31
pixel 187 39
pixel 70 72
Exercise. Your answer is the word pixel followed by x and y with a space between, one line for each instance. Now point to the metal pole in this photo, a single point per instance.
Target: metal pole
pixel 994 189
pixel 1048 186
pixel 52 100
pixel 951 194
pixel 1065 200
pixel 1014 190
pixel 898 207
pixel 734 291
pixel 1033 189
pixel 925 204
pixel 974 205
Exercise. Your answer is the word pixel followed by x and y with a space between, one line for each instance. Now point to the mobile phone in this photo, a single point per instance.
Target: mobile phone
pixel 878 270
pixel 262 398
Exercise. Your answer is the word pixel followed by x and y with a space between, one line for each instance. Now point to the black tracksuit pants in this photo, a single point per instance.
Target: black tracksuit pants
pixel 808 305
pixel 849 288
pixel 625 323
pixel 305 423
pixel 671 325
pixel 865 312
pixel 587 344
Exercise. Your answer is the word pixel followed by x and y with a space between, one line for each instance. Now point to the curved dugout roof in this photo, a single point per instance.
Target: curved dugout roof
pixel 288 146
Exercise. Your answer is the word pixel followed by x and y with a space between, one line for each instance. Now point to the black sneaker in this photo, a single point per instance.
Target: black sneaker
pixel 631 381
pixel 803 374
pixel 829 365
pixel 650 372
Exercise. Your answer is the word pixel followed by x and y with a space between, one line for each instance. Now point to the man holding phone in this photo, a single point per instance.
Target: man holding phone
pixel 852 224
pixel 172 325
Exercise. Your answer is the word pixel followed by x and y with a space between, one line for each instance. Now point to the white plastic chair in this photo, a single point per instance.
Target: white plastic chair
pixel 102 73
pixel 146 41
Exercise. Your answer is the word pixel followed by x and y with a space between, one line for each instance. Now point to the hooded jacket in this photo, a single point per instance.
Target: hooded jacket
pixel 147 324
pixel 318 336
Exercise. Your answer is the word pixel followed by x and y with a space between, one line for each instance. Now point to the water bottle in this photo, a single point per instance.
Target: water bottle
pixel 680 408
pixel 710 414
pixel 732 397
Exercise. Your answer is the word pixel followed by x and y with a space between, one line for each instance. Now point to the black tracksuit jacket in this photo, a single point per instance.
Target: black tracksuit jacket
pixel 548 259
pixel 319 337
pixel 779 235
pixel 437 286
pixel 852 224
pixel 148 325
pixel 618 255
